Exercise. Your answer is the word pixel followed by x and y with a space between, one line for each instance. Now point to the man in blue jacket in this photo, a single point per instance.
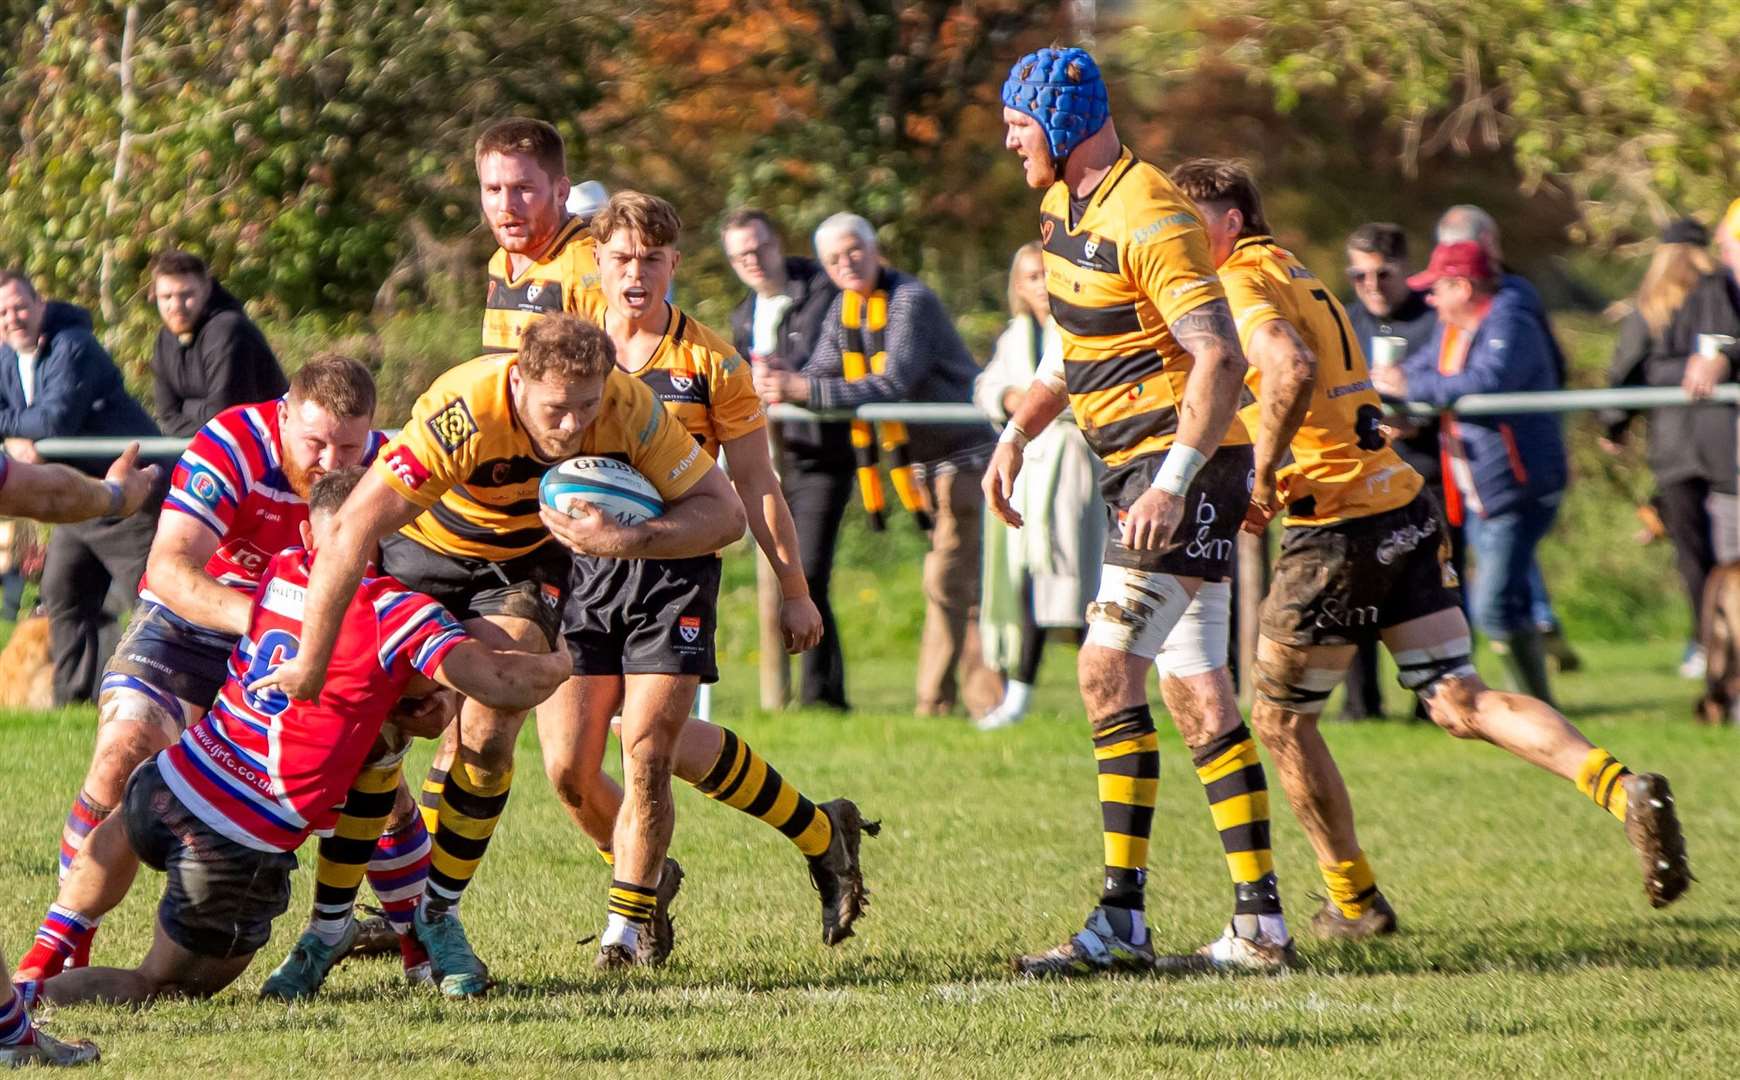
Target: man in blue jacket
pixel 1509 471
pixel 56 380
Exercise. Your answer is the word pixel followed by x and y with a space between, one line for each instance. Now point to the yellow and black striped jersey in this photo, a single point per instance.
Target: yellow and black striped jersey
pixel 466 460
pixel 1133 260
pixel 1347 466
pixel 699 377
pixel 551 282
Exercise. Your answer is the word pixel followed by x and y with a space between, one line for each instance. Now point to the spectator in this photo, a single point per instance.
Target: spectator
pixel 1040 577
pixel 925 361
pixel 209 354
pixel 1691 451
pixel 585 199
pixel 1466 222
pixel 1510 471
pixel 1385 307
pixel 55 381
pixel 777 324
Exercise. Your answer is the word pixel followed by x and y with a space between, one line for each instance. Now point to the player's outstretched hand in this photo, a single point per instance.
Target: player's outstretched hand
pixel 294 678
pixel 999 482
pixel 135 482
pixel 800 624
pixel 1152 520
pixel 587 530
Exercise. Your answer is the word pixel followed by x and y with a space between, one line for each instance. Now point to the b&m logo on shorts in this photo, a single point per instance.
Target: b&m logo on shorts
pixel 689 628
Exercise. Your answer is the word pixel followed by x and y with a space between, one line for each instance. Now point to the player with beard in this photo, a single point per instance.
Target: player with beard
pixel 546 257
pixel 453 504
pixel 237 496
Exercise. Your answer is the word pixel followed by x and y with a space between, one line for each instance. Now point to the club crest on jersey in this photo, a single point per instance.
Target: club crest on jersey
pixel 453 425
pixel 1045 228
pixel 205 488
pixel 682 381
pixel 552 595
pixel 689 628
pixel 532 292
pixel 1092 247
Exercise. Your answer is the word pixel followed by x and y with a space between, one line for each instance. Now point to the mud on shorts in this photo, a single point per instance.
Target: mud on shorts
pixel 644 616
pixel 531 586
pixel 1342 584
pixel 221 897
pixel 1140 600
pixel 169 660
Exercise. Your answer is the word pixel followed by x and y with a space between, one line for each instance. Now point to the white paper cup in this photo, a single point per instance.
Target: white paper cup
pixel 1711 345
pixel 1388 351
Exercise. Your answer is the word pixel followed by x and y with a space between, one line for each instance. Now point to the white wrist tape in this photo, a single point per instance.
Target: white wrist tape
pixel 1013 434
pixel 1179 469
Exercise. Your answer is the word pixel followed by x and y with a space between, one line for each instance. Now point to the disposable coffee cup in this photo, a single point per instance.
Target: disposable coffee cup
pixel 1388 351
pixel 1711 345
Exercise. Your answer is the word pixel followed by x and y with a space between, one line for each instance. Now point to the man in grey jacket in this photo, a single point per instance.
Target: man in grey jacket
pixel 923 359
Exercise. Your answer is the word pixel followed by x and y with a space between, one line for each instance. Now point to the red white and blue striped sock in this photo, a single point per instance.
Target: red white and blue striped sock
pixel 84 816
pixel 398 871
pixel 64 936
pixel 15 1027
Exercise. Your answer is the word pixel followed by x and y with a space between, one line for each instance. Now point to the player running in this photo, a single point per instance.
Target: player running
pixel 1153 372
pixel 236 498
pixel 453 503
pixel 1365 555
pixel 642 632
pixel 223 810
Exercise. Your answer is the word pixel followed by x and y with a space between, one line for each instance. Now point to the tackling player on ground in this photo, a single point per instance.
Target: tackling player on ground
pixel 223 810
pixel 1153 372
pixel 236 498
pixel 1364 554
pixel 642 632
pixel 452 502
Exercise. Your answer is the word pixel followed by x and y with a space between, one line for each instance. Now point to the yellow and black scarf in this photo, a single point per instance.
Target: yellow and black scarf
pixel 864 320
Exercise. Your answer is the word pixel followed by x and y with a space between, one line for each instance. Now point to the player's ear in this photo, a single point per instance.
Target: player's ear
pixel 562 188
pixel 306 533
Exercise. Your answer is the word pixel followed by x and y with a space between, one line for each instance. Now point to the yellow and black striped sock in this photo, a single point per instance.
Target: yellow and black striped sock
pixel 636 903
pixel 1238 797
pixel 743 779
pixel 1600 777
pixel 1352 885
pixel 429 802
pixel 345 855
pixel 470 809
pixel 1127 754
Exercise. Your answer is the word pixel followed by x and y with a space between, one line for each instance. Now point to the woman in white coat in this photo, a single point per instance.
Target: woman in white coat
pixel 1042 576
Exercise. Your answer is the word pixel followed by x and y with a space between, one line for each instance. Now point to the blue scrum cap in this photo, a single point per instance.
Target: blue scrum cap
pixel 1069 109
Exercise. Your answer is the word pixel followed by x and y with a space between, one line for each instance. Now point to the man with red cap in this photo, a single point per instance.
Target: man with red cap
pixel 1509 471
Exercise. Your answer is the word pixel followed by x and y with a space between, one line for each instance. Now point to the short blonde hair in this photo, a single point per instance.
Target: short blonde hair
pixel 567 347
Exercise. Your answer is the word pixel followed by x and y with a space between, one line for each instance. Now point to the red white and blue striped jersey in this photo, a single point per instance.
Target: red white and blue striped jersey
pixel 266 771
pixel 231 479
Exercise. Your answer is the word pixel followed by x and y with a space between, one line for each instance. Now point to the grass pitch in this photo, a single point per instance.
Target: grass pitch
pixel 1527 950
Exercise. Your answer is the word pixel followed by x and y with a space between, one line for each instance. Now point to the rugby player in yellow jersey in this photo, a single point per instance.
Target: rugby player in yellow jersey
pixel 452 503
pixel 1152 371
pixel 1364 554
pixel 641 633
pixel 545 259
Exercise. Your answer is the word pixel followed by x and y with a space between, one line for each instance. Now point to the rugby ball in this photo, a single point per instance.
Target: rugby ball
pixel 612 486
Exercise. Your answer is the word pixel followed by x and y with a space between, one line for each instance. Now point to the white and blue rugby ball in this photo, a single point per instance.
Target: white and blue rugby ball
pixel 612 486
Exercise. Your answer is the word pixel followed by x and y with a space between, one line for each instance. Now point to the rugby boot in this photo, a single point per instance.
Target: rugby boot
pixel 1094 949
pixel 375 936
pixel 41 1048
pixel 1233 953
pixel 1329 924
pixel 310 961
pixel 618 958
pixel 660 936
pixel 457 971
pixel 1653 827
pixel 836 874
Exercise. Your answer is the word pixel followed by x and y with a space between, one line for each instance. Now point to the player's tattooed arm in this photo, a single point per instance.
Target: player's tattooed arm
pixel 1289 373
pixel 1211 396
